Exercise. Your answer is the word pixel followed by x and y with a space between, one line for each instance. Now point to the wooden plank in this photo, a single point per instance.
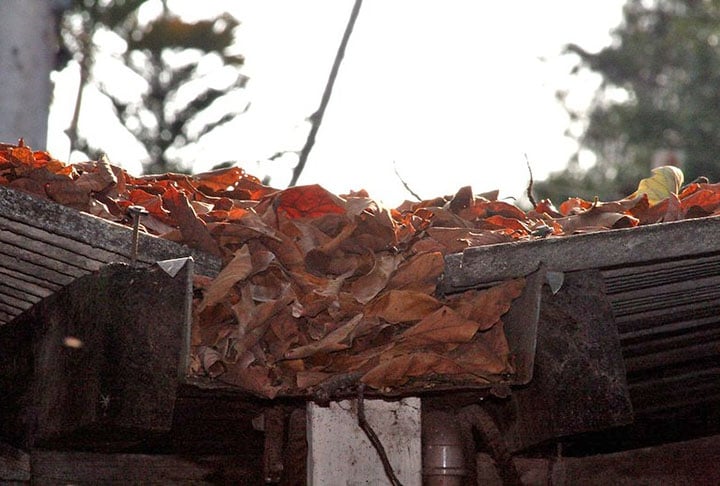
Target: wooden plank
pixel 97 232
pixel 691 462
pixel 55 467
pixel 604 249
pixel 9 308
pixel 10 293
pixel 27 283
pixel 25 231
pixel 80 257
pixel 33 269
pixel 51 261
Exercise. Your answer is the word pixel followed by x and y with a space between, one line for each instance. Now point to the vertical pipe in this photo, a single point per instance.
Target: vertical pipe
pixel 443 456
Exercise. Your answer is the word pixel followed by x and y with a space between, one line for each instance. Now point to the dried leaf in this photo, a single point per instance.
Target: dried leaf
pixel 193 229
pixel 239 268
pixel 396 371
pixel 403 306
pixel 99 178
pixel 442 326
pixel 339 339
pixel 420 273
pixel 666 180
pixel 366 287
pixel 595 219
pixel 308 201
pixel 487 306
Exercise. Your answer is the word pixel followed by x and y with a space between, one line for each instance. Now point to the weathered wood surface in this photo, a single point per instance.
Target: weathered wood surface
pixel 45 246
pixel 101 358
pixel 14 465
pixel 604 249
pixel 53 467
pixel 579 382
pixel 676 464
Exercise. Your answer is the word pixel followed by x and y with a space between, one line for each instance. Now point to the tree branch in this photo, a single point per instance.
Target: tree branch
pixel 316 118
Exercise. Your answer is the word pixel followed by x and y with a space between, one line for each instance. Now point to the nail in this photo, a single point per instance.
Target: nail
pixel 137 212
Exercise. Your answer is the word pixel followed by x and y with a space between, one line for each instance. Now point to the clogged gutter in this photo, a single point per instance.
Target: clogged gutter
pixel 319 288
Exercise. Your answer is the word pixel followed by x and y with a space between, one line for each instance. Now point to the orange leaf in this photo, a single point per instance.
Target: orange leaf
pixel 706 199
pixel 503 222
pixel 574 205
pixel 308 201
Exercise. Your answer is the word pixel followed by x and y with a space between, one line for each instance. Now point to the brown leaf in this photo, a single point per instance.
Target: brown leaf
pixel 594 219
pixel 211 361
pixel 239 268
pixel 310 378
pixel 98 178
pixel 442 326
pixel 339 339
pixel 487 354
pixel 402 306
pixel 254 379
pixel 457 239
pixel 253 325
pixel 420 273
pixel 68 193
pixel 486 306
pixel 193 229
pixel 396 371
pixel 366 287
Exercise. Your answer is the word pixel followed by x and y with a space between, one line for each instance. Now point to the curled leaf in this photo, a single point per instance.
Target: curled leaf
pixel 665 180
pixel 238 269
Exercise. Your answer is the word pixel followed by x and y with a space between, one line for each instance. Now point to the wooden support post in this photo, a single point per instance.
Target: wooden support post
pixel 340 453
pixel 98 362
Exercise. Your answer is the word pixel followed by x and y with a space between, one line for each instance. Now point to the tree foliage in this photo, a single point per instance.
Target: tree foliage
pixel 167 100
pixel 665 65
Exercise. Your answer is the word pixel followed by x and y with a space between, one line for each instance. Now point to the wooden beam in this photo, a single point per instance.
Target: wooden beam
pixel 56 467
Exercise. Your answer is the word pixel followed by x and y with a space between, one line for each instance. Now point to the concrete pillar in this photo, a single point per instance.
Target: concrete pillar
pixel 340 453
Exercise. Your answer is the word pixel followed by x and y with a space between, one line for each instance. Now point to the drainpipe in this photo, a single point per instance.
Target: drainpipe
pixel 442 448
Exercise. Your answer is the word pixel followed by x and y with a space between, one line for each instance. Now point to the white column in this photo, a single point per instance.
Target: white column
pixel 339 452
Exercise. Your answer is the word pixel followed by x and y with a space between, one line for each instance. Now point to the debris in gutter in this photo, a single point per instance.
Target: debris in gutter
pixel 323 292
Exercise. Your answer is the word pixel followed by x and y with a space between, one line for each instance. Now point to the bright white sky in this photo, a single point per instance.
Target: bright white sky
pixel 455 92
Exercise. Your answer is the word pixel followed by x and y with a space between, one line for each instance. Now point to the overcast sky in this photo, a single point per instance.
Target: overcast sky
pixel 453 92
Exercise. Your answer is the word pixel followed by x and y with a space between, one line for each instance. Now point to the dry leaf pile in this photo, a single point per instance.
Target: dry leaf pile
pixel 319 288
